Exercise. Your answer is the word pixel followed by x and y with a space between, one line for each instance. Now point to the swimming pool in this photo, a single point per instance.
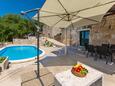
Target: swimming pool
pixel 20 53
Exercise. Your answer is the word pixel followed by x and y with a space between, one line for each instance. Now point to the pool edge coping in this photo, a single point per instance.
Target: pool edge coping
pixel 24 60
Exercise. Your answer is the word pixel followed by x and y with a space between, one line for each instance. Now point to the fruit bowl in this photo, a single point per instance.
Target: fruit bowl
pixel 79 70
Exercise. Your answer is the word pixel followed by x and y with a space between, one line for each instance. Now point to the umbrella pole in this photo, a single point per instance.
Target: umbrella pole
pixel 37 35
pixel 66 41
pixel 38 65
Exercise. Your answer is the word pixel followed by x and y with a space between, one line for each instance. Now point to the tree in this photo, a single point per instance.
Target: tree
pixel 14 26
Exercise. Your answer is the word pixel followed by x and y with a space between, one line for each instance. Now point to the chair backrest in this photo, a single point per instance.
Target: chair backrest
pixel 86 46
pixel 105 50
pixel 90 48
pixel 106 45
pixel 113 46
pixel 98 49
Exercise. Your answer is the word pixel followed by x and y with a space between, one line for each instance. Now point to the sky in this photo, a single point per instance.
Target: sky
pixel 16 6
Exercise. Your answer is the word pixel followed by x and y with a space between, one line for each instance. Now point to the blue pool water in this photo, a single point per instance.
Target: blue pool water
pixel 20 52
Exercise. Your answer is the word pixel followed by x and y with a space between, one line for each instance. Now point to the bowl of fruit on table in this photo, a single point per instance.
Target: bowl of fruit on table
pixel 79 70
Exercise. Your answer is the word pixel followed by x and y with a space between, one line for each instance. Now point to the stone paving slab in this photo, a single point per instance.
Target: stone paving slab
pixel 30 78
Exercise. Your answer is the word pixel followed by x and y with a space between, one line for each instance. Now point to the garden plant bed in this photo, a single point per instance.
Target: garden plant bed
pixel 4 63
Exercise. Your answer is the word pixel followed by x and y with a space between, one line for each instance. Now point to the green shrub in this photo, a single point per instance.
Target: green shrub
pixel 2 59
pixel 48 44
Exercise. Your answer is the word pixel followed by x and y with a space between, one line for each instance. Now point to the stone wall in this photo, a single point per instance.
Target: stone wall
pixel 29 40
pixel 69 36
pixel 47 31
pixel 50 32
pixel 103 32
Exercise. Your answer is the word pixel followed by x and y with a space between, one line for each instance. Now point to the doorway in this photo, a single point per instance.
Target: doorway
pixel 84 37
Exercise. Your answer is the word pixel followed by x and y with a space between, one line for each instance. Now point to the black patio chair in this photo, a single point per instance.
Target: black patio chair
pixel 112 50
pixel 106 45
pixel 98 52
pixel 90 50
pixel 104 51
pixel 108 54
pixel 112 47
pixel 86 46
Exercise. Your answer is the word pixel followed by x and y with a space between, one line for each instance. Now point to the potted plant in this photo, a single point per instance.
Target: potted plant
pixel 48 44
pixel 4 63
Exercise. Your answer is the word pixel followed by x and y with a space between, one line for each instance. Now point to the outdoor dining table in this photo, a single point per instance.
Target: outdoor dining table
pixel 66 78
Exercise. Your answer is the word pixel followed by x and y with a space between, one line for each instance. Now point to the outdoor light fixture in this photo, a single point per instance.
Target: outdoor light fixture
pixel 24 13
pixel 32 10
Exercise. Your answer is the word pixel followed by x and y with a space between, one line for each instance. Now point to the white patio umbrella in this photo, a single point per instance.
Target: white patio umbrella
pixel 63 13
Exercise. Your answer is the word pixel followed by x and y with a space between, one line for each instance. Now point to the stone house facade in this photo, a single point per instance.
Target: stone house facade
pixel 103 32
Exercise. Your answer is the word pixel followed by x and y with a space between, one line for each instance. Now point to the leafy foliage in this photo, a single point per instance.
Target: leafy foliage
pixel 2 59
pixel 14 26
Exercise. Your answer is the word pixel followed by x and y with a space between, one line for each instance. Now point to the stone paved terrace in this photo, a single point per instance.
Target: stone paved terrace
pixel 55 64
